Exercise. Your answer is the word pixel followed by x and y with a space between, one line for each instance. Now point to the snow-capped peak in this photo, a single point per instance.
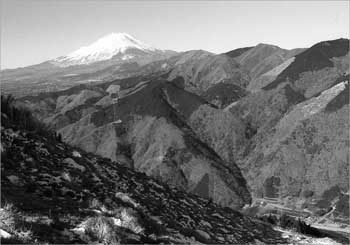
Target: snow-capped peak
pixel 105 48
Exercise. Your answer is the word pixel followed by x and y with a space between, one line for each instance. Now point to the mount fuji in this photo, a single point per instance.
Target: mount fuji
pixel 116 55
pixel 119 46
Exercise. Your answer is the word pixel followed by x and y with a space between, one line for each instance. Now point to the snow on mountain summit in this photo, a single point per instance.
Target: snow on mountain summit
pixel 105 48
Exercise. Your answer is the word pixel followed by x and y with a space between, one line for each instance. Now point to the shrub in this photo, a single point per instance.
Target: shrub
pixel 332 193
pixel 288 222
pixel 250 131
pixel 272 219
pixel 11 221
pixel 131 220
pixel 22 118
pixel 307 193
pixel 102 229
pixel 7 217
pixel 94 203
pixel 342 206
pixel 271 186
pixel 153 226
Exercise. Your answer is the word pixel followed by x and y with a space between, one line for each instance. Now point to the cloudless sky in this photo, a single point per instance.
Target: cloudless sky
pixel 33 31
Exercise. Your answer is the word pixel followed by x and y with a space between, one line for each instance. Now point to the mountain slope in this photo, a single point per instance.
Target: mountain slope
pixel 55 193
pixel 299 138
pixel 148 128
pixel 315 58
pixel 261 59
pixel 202 70
pixel 289 134
pixel 65 195
pixel 237 52
pixel 303 138
pixel 223 94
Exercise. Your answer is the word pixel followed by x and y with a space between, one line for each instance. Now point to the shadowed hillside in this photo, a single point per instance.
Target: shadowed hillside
pixel 55 193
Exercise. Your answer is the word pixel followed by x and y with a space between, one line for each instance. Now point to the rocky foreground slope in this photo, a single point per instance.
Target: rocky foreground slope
pixel 52 192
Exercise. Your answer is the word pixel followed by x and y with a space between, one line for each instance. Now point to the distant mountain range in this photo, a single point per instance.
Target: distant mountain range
pixel 119 55
pixel 116 55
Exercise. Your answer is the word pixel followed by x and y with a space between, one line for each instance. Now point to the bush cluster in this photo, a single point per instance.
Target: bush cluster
pixel 19 117
pixel 288 222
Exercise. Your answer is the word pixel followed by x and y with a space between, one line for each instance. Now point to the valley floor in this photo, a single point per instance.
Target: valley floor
pixel 325 223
